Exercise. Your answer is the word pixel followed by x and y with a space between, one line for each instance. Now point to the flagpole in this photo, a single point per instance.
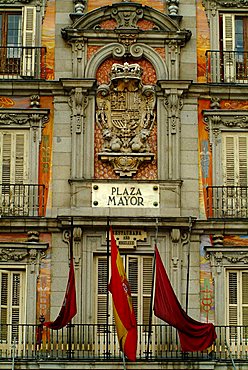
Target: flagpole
pixel 71 261
pixel 107 308
pixel 124 361
pixel 152 294
pixel 188 264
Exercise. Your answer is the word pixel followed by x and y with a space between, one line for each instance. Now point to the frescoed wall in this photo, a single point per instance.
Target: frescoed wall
pixel 206 284
pixel 155 4
pixel 48 38
pixel 203 41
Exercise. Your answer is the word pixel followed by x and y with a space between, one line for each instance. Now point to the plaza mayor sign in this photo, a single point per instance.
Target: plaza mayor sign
pixel 126 195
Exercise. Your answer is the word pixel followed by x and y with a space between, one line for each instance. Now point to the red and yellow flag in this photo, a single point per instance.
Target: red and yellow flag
pixel 124 315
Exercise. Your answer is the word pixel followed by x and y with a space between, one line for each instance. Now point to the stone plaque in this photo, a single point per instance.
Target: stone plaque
pixel 125 195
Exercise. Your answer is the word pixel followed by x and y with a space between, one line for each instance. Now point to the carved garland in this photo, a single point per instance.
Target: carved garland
pixel 213 4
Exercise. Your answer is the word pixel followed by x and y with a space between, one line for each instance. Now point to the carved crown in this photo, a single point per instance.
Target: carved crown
pixel 126 71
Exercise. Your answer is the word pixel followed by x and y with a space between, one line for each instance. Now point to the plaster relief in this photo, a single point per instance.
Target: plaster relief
pixel 125 115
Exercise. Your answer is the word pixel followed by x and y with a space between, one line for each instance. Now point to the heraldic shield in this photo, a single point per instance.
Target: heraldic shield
pixel 125 115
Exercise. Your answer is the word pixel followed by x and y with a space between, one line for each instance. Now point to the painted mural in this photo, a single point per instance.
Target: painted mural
pixel 48 38
pixel 203 41
pixel 206 284
pixel 155 4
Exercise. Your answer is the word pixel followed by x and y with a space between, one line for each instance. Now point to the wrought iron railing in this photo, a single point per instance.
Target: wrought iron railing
pixel 227 66
pixel 22 200
pixel 227 201
pixel 21 62
pixel 95 342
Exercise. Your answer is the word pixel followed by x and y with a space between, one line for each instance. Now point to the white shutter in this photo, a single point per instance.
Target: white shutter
pixel 13 157
pixel 229 47
pixel 101 290
pixel 235 151
pixel 29 27
pixel 235 173
pixel 11 303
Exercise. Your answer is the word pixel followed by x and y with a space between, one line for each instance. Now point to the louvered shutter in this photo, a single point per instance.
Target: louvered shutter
pixel 14 157
pixel 229 47
pixel 235 151
pixel 132 275
pixel 139 271
pixel 235 173
pixel 11 303
pixel 102 290
pixel 146 287
pixel 29 28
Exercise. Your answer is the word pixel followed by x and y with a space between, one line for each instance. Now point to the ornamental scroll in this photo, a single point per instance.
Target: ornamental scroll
pixel 125 115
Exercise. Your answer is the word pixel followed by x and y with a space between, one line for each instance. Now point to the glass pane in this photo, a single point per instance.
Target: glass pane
pixel 14 30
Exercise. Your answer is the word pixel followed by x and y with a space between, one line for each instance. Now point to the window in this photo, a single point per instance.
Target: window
pixel 237 301
pixel 235 173
pixel 139 274
pixel 234 44
pixel 17 39
pixel 13 170
pixel 12 295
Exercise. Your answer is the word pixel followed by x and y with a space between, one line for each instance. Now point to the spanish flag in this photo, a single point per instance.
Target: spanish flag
pixel 124 315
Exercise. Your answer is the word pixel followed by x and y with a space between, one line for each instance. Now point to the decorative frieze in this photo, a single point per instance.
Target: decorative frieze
pixel 220 256
pixel 125 115
pixel 29 252
pixel 217 121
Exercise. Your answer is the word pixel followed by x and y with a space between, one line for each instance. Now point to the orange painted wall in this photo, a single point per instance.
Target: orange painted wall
pixel 156 4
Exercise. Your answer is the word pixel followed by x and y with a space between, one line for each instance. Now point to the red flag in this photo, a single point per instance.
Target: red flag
pixel 194 335
pixel 124 315
pixel 69 306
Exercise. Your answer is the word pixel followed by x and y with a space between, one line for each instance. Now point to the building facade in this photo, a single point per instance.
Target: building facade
pixel 129 114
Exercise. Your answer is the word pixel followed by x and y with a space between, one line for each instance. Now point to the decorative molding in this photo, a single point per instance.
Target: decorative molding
pixel 173 104
pixel 125 115
pixel 173 6
pixel 127 18
pixel 78 101
pixel 220 256
pixel 30 252
pixel 218 120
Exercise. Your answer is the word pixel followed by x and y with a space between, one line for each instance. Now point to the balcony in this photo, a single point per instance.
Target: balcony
pixel 19 62
pixel 21 200
pixel 227 202
pixel 93 343
pixel 227 66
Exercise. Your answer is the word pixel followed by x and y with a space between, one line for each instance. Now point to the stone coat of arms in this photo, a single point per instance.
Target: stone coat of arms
pixel 125 115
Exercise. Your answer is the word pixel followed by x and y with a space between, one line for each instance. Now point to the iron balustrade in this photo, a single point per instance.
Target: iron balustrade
pixel 22 62
pixel 226 66
pixel 227 201
pixel 22 200
pixel 91 341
